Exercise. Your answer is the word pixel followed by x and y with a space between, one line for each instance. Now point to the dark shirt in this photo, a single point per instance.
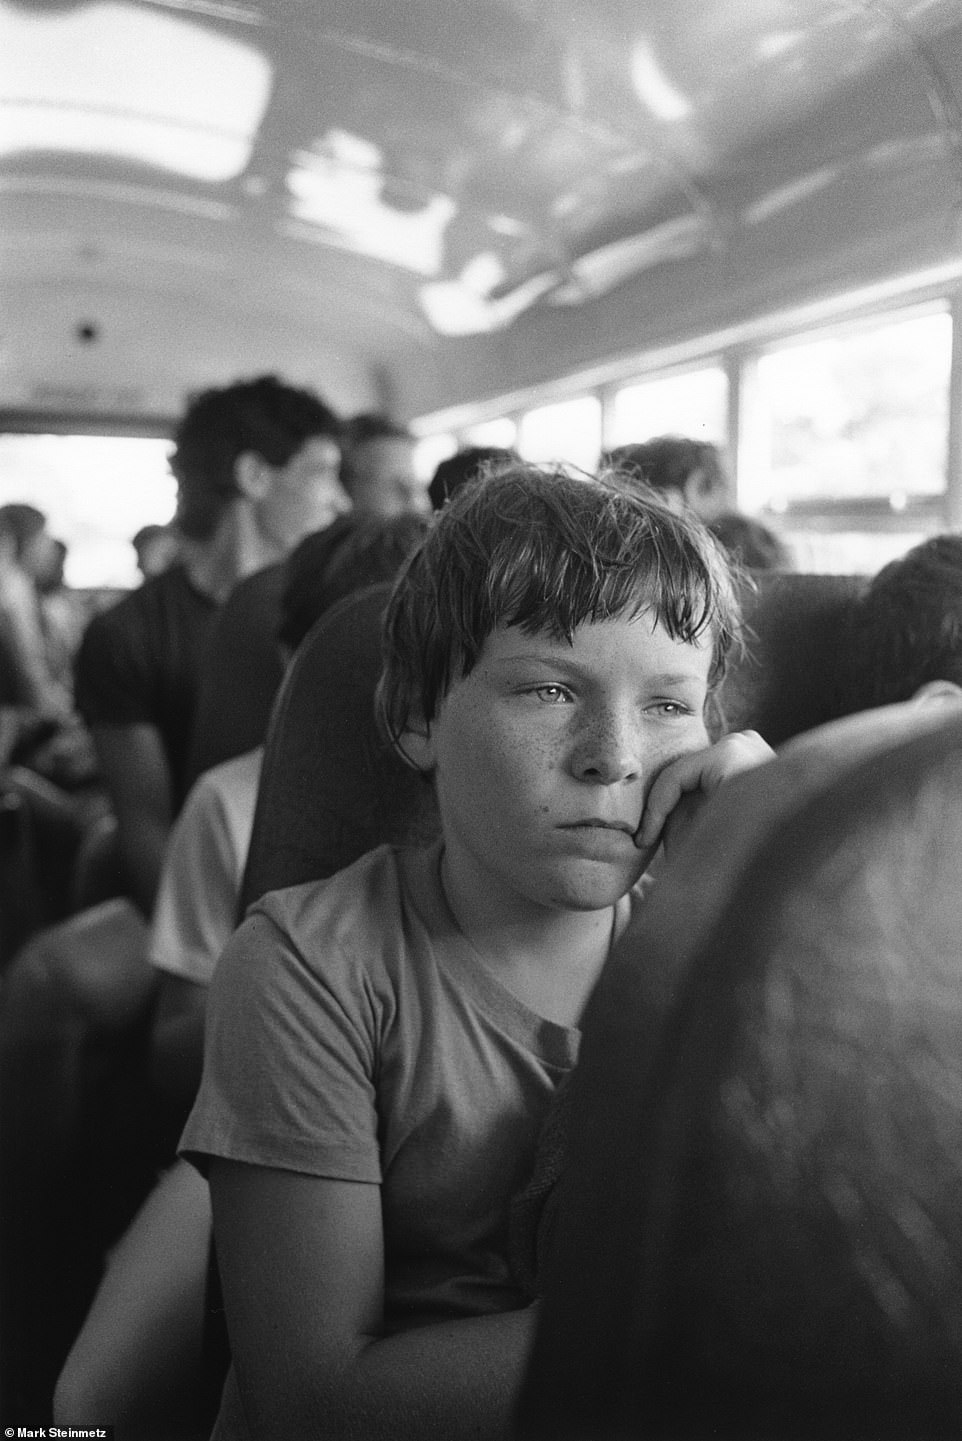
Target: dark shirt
pixel 141 662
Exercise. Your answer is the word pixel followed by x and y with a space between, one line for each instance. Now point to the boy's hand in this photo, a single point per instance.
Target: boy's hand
pixel 687 781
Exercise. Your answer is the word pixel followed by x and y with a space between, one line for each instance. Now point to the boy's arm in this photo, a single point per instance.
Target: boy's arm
pixel 302 1267
pixel 688 780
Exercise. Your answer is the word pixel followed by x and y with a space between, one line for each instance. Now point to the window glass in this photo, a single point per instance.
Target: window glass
pixel 693 403
pixel 566 432
pixel 502 432
pixel 96 492
pixel 429 453
pixel 854 416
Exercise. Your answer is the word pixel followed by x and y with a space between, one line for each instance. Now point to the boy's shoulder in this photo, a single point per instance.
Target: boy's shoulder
pixel 372 894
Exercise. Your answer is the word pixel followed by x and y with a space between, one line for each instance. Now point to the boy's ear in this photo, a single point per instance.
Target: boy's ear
pixel 415 745
pixel 252 475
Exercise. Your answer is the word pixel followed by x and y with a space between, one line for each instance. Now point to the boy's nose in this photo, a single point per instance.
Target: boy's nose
pixel 609 750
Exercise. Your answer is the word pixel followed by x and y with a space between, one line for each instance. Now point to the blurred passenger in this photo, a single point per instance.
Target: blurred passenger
pixel 749 543
pixel 688 474
pixel 465 466
pixel 905 636
pixel 157 547
pixel 28 561
pixel 378 470
pixel 257 466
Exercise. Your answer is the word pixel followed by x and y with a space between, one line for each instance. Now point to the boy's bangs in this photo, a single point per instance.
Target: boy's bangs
pixel 539 584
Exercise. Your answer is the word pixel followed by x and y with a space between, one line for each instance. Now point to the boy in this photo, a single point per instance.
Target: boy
pixel 382 1047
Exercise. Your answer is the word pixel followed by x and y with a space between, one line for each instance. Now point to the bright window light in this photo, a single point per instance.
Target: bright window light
pixel 118 80
pixel 854 416
pixel 502 432
pixel 430 451
pixel 96 492
pixel 339 184
pixel 567 432
pixel 693 404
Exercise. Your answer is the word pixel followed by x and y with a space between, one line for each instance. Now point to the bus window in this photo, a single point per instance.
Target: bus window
pixel 430 451
pixel 568 431
pixel 848 440
pixel 694 403
pixel 96 492
pixel 502 432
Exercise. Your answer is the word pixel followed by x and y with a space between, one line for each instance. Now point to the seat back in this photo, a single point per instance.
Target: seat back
pixel 331 786
pixel 757 1231
pixel 787 681
pixel 243 673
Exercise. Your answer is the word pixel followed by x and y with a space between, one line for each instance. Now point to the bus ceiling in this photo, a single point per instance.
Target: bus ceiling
pixel 426 205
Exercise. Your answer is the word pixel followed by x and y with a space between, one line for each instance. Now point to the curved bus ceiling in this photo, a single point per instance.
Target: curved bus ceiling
pixel 426 205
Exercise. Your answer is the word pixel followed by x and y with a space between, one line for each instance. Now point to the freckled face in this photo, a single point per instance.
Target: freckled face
pixel 543 757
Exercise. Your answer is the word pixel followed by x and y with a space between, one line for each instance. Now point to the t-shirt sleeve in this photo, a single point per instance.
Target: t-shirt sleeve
pixel 289 1057
pixel 196 907
pixel 113 681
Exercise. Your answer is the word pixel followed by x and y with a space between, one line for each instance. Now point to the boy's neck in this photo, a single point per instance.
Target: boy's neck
pixel 548 959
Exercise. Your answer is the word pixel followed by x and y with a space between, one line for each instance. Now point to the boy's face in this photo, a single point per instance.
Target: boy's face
pixel 304 495
pixel 544 754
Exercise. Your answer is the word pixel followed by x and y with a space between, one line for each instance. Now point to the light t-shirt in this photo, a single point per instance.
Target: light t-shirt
pixel 196 908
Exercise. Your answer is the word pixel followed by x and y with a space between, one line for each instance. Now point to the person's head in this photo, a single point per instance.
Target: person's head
pixel 272 446
pixel 547 650
pixel 157 547
pixel 465 466
pixel 356 551
pixel 378 472
pixel 688 474
pixel 26 541
pixel 749 543
pixel 905 633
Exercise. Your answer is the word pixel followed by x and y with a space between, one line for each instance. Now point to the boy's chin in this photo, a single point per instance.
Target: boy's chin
pixel 596 888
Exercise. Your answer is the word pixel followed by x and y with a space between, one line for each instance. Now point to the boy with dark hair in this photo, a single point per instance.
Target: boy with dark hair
pixel 257 469
pixel 905 637
pixel 465 466
pixel 383 1046
pixel 687 474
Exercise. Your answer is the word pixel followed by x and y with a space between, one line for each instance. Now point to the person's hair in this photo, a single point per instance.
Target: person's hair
pixel 472 463
pixel 21 523
pixel 906 627
pixel 265 416
pixel 666 462
pixel 356 551
pixel 749 543
pixel 543 550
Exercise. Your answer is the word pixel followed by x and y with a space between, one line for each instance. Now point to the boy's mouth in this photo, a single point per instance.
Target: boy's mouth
pixel 597 823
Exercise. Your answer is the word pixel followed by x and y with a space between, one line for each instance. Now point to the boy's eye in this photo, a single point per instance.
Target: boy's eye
pixel 552 694
pixel 670 708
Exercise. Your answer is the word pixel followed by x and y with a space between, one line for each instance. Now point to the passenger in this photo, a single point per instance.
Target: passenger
pixel 905 636
pixel 688 474
pixel 749 543
pixel 464 466
pixel 257 469
pixel 144 1328
pixel 196 908
pixel 378 472
pixel 382 1046
pixel 28 561
pixel 157 547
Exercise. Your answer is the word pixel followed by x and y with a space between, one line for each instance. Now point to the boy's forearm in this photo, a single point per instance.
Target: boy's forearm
pixel 456 1381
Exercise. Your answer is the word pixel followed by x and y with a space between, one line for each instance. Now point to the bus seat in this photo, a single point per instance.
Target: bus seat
pixel 757 1232
pixel 331 787
pixel 786 682
pixel 244 671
